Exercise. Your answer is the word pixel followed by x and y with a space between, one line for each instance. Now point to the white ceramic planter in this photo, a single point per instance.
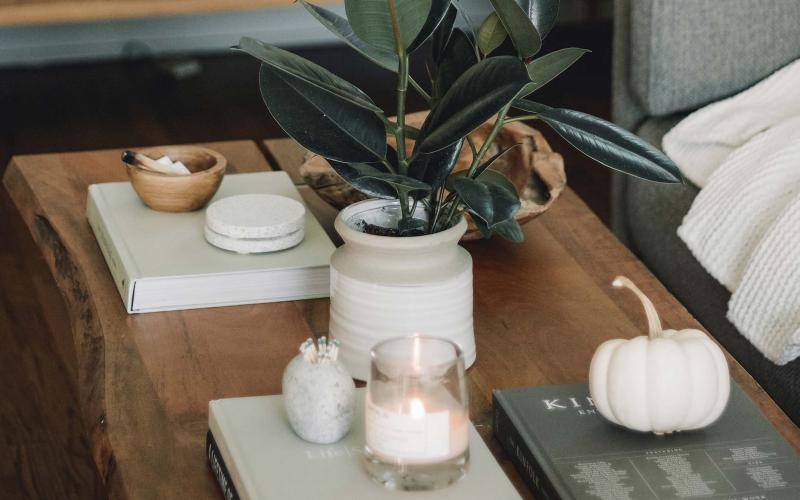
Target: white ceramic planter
pixel 383 287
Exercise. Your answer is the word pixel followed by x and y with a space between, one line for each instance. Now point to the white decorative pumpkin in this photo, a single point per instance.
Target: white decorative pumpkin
pixel 670 380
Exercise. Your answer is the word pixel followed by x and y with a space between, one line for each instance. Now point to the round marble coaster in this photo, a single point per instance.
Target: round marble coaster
pixel 255 216
pixel 254 245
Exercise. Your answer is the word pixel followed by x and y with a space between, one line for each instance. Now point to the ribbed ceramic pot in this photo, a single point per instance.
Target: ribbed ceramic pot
pixel 384 287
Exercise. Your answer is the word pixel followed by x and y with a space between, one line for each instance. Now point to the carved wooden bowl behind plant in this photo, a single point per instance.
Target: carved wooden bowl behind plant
pixel 536 171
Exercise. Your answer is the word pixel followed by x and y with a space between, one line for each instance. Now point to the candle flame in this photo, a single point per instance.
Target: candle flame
pixel 417 408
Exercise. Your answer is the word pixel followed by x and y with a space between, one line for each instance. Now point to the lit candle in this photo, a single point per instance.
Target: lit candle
pixel 418 433
pixel 417 417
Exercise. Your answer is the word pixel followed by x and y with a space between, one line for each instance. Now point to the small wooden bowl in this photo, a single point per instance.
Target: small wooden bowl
pixel 179 193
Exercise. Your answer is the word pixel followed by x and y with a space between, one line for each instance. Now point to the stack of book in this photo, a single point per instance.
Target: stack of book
pixel 161 261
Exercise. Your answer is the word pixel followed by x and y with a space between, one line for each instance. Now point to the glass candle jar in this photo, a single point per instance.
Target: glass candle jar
pixel 417 414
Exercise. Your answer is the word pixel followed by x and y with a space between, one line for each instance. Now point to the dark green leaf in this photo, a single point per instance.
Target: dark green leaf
pixel 490 202
pixel 481 225
pixel 510 230
pixel 434 168
pixel 372 22
pixel 320 120
pixel 519 27
pixel 491 34
pixel 543 69
pixel 459 56
pixel 403 186
pixel 354 174
pixel 488 163
pixel 466 19
pixel 436 15
pixel 296 68
pixel 475 97
pixel 340 27
pixel 442 33
pixel 606 143
pixel 487 177
pixel 543 14
pixel 496 178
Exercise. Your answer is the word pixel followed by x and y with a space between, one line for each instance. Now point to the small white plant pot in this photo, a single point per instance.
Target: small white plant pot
pixel 384 286
pixel 319 399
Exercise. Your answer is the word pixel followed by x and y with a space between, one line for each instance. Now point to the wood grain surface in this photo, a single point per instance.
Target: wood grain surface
pixel 144 381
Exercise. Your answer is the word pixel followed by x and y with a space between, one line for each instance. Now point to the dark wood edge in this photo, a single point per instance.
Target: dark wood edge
pixel 85 324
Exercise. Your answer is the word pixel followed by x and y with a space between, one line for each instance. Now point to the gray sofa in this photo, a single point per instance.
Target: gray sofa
pixel 670 58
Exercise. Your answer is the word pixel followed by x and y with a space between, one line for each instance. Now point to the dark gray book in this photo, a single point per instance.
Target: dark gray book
pixel 565 449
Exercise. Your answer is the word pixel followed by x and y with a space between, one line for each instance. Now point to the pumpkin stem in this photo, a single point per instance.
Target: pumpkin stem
pixel 653 323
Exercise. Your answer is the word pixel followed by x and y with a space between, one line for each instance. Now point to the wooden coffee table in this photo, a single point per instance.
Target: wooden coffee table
pixel 144 381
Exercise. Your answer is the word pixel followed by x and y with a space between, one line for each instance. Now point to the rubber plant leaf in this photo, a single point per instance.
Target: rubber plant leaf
pixel 466 19
pixel 475 97
pixel 434 168
pixel 442 33
pixel 372 20
pixel 355 175
pixel 510 230
pixel 490 202
pixel 322 121
pixel 491 34
pixel 543 69
pixel 340 27
pixel 606 143
pixel 543 14
pixel 487 177
pixel 488 163
pixel 402 185
pixel 295 67
pixel 519 27
pixel 459 56
pixel 436 16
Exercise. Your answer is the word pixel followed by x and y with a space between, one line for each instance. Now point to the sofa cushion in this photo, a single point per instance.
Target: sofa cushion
pixel 652 213
pixel 684 54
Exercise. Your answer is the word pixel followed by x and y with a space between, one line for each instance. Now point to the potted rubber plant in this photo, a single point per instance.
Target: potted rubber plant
pixel 401 270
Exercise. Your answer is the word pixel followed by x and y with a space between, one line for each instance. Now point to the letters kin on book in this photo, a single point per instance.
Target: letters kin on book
pixel 584 405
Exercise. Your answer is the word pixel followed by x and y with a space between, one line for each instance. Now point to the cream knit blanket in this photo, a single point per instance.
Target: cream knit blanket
pixel 744 225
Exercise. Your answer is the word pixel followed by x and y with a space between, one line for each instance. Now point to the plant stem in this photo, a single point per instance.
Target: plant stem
pixel 419 89
pixel 400 134
pixel 450 213
pixel 402 86
pixel 498 124
pixel 472 146
pixel 403 199
pixel 520 118
pixel 653 322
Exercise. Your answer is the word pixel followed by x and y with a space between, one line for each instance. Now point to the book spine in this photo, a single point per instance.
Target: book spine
pixel 219 469
pixel 114 259
pixel 521 455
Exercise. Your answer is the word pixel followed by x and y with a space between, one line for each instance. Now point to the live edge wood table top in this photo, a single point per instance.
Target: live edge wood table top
pixel 144 381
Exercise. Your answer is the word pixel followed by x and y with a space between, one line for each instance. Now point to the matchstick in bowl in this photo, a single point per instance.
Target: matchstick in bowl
pixel 173 192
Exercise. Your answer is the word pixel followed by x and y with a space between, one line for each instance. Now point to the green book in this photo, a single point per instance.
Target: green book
pixel 565 449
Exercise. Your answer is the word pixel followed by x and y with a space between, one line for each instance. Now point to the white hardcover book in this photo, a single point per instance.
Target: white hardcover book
pixel 255 455
pixel 161 261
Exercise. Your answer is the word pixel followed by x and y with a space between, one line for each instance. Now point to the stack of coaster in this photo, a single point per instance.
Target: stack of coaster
pixel 255 223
